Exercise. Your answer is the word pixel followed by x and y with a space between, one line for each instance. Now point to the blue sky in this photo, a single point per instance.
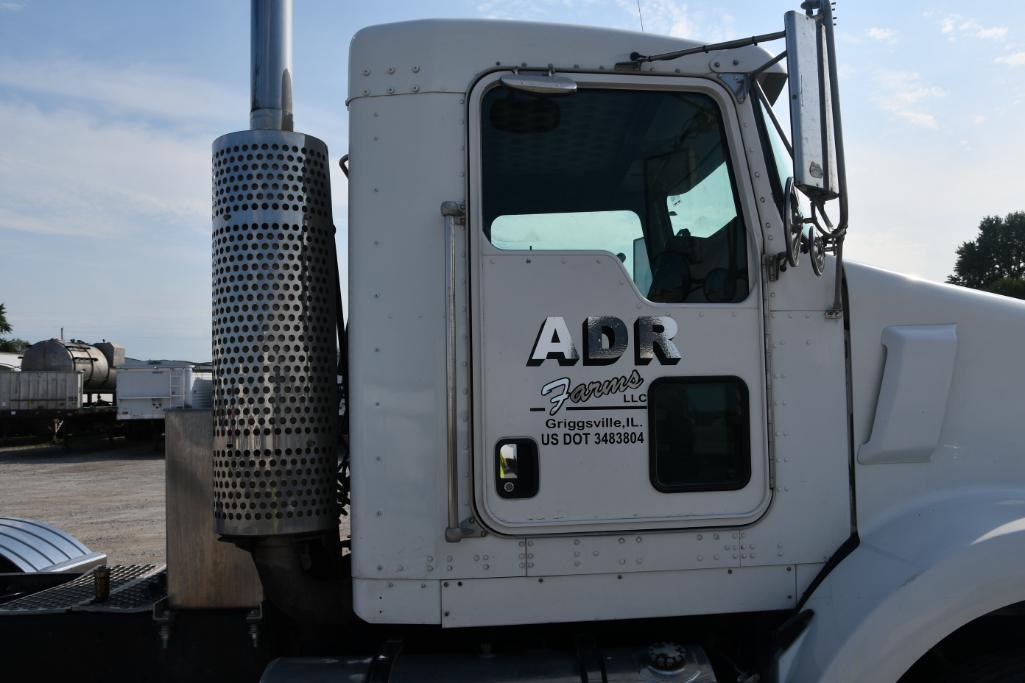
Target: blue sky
pixel 108 109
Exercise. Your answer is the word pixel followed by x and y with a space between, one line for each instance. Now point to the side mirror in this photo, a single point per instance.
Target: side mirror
pixel 809 53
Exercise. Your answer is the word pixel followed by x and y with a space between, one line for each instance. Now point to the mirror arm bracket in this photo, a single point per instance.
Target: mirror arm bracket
pixel 774 265
pixel 738 84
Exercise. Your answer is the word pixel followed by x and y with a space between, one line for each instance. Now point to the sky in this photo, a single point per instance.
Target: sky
pixel 108 109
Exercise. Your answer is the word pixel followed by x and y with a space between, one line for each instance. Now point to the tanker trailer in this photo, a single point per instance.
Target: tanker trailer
pixel 96 362
pixel 61 388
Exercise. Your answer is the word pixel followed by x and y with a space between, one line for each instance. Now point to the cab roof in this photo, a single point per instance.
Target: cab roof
pixel 447 55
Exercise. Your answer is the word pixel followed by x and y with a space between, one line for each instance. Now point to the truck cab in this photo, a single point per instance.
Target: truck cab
pixel 643 417
pixel 601 384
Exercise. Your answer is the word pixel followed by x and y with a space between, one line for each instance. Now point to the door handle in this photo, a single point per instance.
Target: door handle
pixel 516 468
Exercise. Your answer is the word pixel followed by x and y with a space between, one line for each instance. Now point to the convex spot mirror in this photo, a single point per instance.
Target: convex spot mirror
pixel 811 107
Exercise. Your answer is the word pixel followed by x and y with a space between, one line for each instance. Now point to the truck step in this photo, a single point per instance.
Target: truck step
pixel 133 588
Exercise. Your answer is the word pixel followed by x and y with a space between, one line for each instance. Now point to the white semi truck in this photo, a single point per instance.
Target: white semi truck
pixel 618 409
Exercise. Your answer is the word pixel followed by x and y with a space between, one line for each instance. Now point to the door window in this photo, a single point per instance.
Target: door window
pixel 615 231
pixel 699 434
pixel 602 169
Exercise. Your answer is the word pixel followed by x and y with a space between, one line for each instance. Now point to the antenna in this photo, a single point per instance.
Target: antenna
pixel 640 16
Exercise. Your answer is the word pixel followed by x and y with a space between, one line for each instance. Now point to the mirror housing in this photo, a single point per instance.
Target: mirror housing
pixel 811 104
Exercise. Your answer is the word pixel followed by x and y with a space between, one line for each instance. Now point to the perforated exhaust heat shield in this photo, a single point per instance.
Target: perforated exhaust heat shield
pixel 275 397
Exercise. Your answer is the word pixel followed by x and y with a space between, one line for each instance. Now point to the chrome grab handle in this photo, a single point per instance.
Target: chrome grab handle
pixel 454 219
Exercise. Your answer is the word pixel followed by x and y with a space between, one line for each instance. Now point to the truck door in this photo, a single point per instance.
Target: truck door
pixel 618 359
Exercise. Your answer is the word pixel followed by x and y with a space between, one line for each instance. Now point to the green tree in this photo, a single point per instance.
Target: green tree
pixel 9 345
pixel 995 260
pixel 13 345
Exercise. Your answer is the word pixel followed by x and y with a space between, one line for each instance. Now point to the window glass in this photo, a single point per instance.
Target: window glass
pixel 777 156
pixel 702 211
pixel 642 174
pixel 700 436
pixel 615 231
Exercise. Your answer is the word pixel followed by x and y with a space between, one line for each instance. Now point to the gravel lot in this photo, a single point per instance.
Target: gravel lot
pixel 108 495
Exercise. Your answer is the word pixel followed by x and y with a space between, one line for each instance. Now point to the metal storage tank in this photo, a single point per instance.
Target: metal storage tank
pixel 60 355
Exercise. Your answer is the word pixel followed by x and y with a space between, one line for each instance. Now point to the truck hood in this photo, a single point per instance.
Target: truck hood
pixel 939 364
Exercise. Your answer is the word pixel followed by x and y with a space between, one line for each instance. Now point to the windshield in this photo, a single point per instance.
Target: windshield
pixel 778 157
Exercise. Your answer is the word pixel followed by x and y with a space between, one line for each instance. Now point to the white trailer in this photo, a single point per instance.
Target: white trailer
pixel 146 393
pixel 33 390
pixel 50 401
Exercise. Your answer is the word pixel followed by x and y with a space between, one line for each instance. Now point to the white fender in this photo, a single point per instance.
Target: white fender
pixel 912 581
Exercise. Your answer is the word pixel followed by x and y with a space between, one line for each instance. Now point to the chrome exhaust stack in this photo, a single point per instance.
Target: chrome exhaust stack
pixel 275 406
pixel 271 65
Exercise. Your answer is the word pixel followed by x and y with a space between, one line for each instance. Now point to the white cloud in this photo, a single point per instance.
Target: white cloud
pixel 132 89
pixel 978 119
pixel 122 151
pixel 124 148
pixel 665 17
pixel 679 20
pixel 904 95
pixel 1012 59
pixel 11 6
pixel 526 10
pixel 154 94
pixel 118 213
pixel 896 220
pixel 68 172
pixel 883 35
pixel 918 118
pixel 956 26
pixel 510 9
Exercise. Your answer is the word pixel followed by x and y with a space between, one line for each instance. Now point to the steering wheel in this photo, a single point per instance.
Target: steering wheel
pixel 793 223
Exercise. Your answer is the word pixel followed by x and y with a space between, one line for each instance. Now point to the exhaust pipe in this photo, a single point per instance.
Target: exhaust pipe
pixel 271 65
pixel 275 406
